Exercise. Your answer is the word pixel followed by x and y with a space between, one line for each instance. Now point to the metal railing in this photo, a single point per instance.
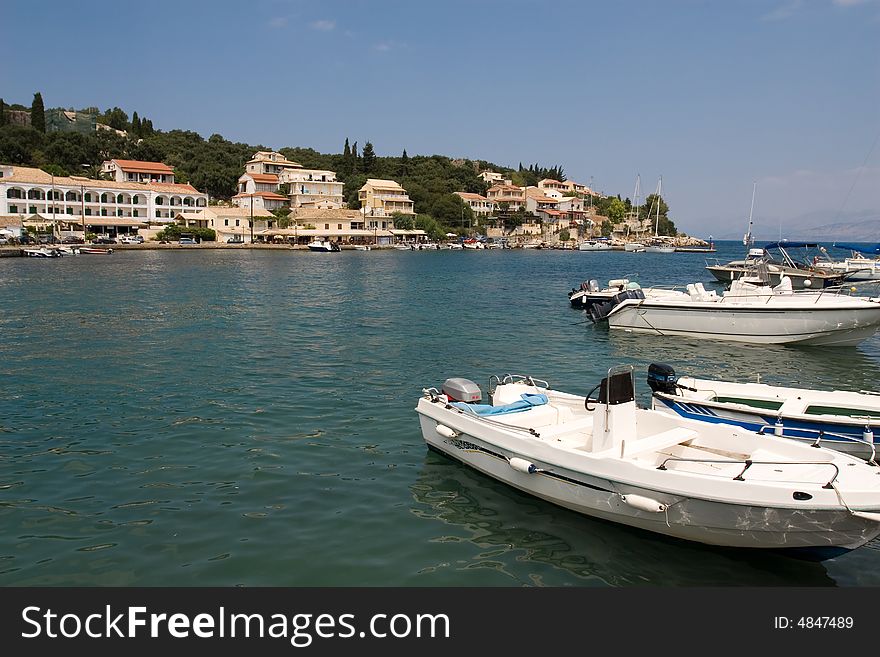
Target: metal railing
pixel 748 463
pixel 820 435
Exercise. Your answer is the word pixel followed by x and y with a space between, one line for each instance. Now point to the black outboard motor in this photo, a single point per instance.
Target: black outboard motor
pixel 600 311
pixel 662 378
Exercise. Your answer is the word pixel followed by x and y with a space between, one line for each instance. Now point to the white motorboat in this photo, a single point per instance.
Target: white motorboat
pixel 634 247
pixel 42 252
pixel 838 419
pixel 361 247
pixel 323 246
pixel 594 245
pixel 748 312
pixel 712 483
pixel 659 246
pixel 589 292
pixel 804 273
pixel 857 267
pixel 90 250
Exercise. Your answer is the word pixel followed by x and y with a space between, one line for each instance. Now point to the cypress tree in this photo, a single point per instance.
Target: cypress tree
pixel 354 157
pixel 135 125
pixel 2 112
pixel 404 164
pixel 38 113
pixel 346 159
pixel 368 158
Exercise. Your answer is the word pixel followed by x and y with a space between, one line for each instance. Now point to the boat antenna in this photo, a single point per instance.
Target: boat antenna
pixel 748 238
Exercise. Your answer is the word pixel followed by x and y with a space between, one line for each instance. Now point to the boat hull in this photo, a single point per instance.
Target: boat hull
pixel 755 324
pixel 825 531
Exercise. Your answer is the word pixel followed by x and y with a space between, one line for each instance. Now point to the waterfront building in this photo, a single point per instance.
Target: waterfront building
pixel 538 202
pixel 549 183
pixel 269 176
pixel 94 203
pixel 137 171
pixel 342 226
pixel 512 195
pixel 382 198
pixel 229 222
pixel 313 188
pixel 479 205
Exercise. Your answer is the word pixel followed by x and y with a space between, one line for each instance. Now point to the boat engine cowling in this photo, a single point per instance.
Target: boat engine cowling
pixel 662 378
pixel 460 389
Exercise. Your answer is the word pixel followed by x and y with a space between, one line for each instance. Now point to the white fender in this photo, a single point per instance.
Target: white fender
pixel 867 515
pixel 446 432
pixel 521 465
pixel 643 503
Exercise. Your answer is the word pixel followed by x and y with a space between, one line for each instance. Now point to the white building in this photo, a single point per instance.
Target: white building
pixel 382 198
pixel 313 188
pixel 491 177
pixel 479 205
pixel 137 171
pixel 267 171
pixel 229 222
pixel 96 203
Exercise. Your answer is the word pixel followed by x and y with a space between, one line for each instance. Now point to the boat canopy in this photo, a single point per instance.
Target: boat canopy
pixel 785 244
pixel 861 248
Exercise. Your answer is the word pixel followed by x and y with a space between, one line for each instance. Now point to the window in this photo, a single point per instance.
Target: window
pixel 119 198
pixel 134 214
pixel 270 224
pixel 135 199
pixel 13 209
pixel 70 210
pixel 160 200
pixel 226 222
pixel 339 226
pixel 88 212
pixel 158 214
pixel 326 226
pixel 103 212
pixel 88 197
pixel 236 222
pixel 33 209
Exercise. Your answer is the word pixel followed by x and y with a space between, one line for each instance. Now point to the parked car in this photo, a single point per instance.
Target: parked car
pixel 73 239
pixel 47 239
pixel 235 240
pixel 26 239
pixel 4 240
pixel 186 240
pixel 131 239
pixel 103 240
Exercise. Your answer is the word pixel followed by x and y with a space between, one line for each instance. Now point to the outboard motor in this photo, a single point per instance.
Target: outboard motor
pixel 600 311
pixel 662 378
pixel 463 390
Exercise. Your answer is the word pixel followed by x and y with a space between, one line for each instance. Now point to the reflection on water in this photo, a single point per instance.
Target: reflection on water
pixel 536 543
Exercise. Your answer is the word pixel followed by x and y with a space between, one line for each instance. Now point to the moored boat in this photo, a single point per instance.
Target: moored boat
pixel 803 274
pixel 90 250
pixel 323 246
pixel 595 245
pixel 842 420
pixel 747 312
pixel 606 458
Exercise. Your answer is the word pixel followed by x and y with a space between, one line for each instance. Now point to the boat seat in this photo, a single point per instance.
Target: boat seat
pixel 578 426
pixel 662 440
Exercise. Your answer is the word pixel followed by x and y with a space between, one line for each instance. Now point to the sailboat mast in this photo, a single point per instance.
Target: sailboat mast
pixel 748 240
pixel 657 201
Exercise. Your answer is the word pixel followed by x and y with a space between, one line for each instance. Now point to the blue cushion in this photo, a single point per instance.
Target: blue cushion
pixel 527 400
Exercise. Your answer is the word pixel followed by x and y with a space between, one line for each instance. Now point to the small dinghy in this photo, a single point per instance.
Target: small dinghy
pixel 712 483
pixel 845 421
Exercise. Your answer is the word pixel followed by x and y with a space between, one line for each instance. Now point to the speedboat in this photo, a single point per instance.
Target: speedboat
pixel 634 247
pixel 594 245
pixel 42 252
pixel 323 246
pixel 590 293
pixel 748 312
pixel 712 483
pixel 839 419
pixel 89 250
pixel 806 274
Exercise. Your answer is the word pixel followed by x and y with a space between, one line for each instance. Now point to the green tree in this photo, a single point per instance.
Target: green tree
pixel 403 221
pixel 116 118
pixel 616 210
pixel 38 113
pixel 2 113
pixel 564 235
pixel 403 171
pixel 606 229
pixel 368 159
pixel 135 125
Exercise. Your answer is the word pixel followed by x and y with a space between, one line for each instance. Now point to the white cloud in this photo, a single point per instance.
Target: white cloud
pixel 323 25
pixel 278 22
pixel 785 11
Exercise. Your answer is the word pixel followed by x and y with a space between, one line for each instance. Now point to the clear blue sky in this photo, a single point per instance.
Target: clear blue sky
pixel 710 94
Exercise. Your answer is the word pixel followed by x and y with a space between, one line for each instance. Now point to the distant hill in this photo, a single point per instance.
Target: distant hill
pixel 844 231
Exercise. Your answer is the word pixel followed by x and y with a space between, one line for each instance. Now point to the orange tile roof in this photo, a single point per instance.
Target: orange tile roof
pixel 40 177
pixel 263 177
pixel 144 167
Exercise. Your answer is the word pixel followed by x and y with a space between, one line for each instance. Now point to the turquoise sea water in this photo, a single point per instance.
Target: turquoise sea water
pixel 240 417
